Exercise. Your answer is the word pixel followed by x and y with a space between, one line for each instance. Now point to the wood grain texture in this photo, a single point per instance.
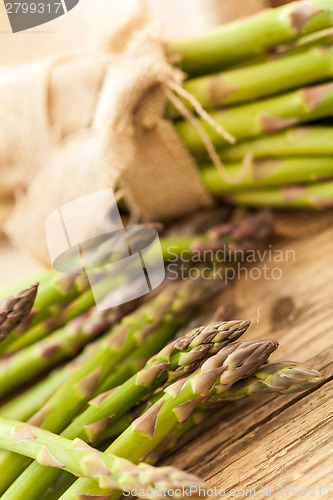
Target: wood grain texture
pixel 277 441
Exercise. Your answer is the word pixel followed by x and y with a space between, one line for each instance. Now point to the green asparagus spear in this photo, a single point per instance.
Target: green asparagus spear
pixel 319 38
pixel 136 361
pixel 318 196
pixel 281 378
pixel 263 117
pixel 61 298
pixel 235 42
pixel 59 487
pixel 161 318
pixel 66 314
pixel 82 460
pixel 29 402
pixel 14 309
pixel 260 80
pixel 269 173
pixel 172 440
pixel 322 38
pixel 25 335
pixel 302 141
pixel 20 367
pixel 61 288
pixel 64 297
pixel 179 400
pixel 286 377
pixel 177 359
pixel 57 308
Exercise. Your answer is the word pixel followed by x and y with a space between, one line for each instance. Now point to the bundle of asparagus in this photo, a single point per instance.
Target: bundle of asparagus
pixel 131 384
pixel 206 364
pixel 64 297
pixel 284 79
pixel 207 352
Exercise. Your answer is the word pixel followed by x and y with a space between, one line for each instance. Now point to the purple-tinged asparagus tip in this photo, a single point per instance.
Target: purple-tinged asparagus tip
pixel 14 309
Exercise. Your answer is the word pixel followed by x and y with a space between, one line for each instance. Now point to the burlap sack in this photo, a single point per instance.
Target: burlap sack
pixel 124 142
pixel 82 122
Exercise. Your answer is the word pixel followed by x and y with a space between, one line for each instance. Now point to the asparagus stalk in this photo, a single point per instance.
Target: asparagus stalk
pixel 82 460
pixel 273 172
pixel 59 487
pixel 160 319
pixel 286 377
pixel 318 196
pixel 320 38
pixel 24 336
pixel 29 402
pixel 69 293
pixel 178 402
pixel 247 233
pixel 174 361
pixel 303 141
pixel 15 308
pixel 261 80
pixel 137 360
pixel 177 359
pixel 61 299
pixel 171 441
pixel 60 289
pixel 171 247
pixel 281 378
pixel 57 315
pixel 68 313
pixel 235 42
pixel 263 117
pixel 24 365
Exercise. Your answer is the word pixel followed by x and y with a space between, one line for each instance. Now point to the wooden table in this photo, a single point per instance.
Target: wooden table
pixel 277 441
